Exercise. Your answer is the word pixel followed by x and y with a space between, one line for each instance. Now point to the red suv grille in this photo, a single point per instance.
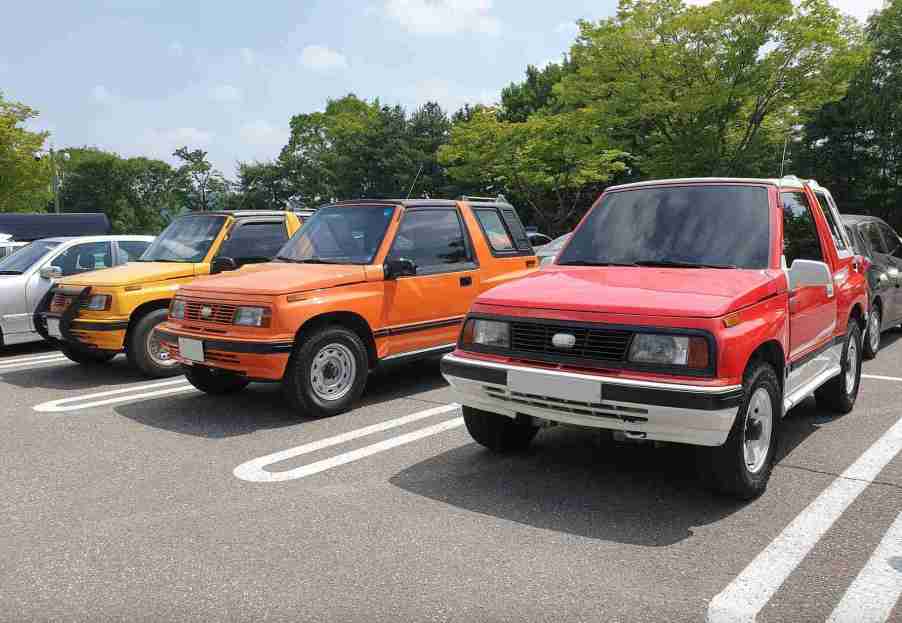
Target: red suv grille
pixel 219 313
pixel 591 343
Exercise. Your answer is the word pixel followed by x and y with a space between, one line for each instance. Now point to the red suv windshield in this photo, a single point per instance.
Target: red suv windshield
pixel 695 225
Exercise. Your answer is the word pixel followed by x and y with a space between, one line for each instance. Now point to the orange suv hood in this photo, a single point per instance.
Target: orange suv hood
pixel 277 278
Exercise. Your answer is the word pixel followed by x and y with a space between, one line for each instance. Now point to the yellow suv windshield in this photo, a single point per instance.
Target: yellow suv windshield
pixel 187 239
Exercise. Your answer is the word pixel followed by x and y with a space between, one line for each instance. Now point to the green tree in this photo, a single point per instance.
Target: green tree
pixel 24 176
pixel 261 186
pixel 554 165
pixel 138 195
pixel 854 144
pixel 203 187
pixel 535 94
pixel 708 90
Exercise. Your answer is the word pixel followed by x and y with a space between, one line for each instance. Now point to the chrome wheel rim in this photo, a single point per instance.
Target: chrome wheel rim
pixel 851 366
pixel 157 352
pixel 758 430
pixel 332 372
pixel 874 331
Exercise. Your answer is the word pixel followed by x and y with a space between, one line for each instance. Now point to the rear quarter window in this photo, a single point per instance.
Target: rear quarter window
pixel 503 230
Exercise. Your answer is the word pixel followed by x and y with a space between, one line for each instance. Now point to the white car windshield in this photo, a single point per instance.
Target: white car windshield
pixel 24 258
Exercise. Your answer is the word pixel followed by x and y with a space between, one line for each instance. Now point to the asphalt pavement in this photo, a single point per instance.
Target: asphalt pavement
pixel 124 499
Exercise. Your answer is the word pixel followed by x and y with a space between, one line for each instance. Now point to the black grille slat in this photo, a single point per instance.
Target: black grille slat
pixel 591 343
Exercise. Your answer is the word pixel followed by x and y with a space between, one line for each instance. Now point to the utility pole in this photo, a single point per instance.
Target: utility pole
pixel 56 181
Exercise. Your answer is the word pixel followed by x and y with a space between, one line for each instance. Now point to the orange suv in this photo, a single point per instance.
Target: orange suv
pixel 362 283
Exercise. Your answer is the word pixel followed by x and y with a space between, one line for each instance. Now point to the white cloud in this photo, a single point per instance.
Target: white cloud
pixel 442 17
pixel 176 49
pixel 861 9
pixel 160 143
pixel 101 94
pixel 226 93
pixel 247 56
pixel 263 134
pixel 322 58
pixel 451 96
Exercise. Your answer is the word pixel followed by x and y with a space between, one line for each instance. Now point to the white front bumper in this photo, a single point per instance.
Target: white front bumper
pixel 691 414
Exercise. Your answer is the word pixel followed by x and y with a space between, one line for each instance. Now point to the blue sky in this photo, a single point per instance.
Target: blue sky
pixel 143 77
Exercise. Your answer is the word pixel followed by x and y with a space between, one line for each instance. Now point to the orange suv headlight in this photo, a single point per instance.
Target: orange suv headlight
pixel 252 317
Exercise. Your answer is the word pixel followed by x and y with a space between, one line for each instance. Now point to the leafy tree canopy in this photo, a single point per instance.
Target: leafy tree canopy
pixel 24 176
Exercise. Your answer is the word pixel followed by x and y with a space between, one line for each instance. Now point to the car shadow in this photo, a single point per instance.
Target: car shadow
pixel 888 338
pixel 30 348
pixel 262 406
pixel 75 376
pixel 580 482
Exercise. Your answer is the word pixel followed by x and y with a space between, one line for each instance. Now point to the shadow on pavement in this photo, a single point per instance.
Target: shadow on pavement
pixel 20 350
pixel 579 482
pixel 71 376
pixel 262 406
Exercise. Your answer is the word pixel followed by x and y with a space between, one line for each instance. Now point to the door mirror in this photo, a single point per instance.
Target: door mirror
pixel 222 264
pixel 51 272
pixel 805 273
pixel 400 267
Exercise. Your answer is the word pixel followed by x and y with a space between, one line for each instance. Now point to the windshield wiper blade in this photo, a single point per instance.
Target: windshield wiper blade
pixel 10 272
pixel 595 263
pixel 679 264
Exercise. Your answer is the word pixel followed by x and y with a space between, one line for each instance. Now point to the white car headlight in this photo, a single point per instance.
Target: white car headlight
pixel 252 317
pixel 99 302
pixel 487 333
pixel 177 309
pixel 670 350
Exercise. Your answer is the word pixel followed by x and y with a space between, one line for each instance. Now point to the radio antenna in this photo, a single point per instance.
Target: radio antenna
pixel 409 192
pixel 783 161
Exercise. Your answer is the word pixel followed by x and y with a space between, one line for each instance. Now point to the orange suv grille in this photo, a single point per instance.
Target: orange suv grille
pixel 210 312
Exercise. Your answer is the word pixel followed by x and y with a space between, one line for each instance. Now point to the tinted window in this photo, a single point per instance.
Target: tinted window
pixel 835 230
pixel 133 249
pixel 433 239
pixel 857 243
pixel 515 227
pixel 339 235
pixel 890 238
pixel 83 258
pixel 800 237
pixel 871 234
pixel 21 260
pixel 495 231
pixel 723 225
pixel 250 242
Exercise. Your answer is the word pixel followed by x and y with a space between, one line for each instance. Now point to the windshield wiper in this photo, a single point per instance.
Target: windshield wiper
pixel 679 264
pixel 309 260
pixel 595 263
pixel 10 272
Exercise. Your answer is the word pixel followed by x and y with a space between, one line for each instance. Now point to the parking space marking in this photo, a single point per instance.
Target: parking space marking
pixel 127 394
pixel 8 364
pixel 25 358
pixel 254 470
pixel 881 378
pixel 752 589
pixel 874 593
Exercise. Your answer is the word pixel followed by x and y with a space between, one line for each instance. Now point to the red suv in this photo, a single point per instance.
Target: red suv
pixel 694 311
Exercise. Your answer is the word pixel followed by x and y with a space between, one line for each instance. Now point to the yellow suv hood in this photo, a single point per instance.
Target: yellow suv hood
pixel 134 273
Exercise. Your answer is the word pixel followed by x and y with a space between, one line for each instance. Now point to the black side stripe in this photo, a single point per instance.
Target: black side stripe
pixel 838 339
pixel 419 326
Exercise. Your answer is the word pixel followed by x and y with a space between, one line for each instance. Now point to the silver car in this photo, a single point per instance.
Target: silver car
pixel 27 274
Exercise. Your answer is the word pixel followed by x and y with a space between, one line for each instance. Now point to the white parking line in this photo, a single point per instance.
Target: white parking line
pixel 745 596
pixel 253 470
pixel 27 358
pixel 32 361
pixel 874 593
pixel 881 378
pixel 127 394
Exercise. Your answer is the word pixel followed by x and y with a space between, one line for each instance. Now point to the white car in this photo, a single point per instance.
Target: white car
pixel 27 274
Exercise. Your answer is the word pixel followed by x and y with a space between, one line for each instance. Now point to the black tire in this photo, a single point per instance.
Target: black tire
pixel 138 351
pixel 87 357
pixel 499 433
pixel 215 382
pixel 298 386
pixel 868 349
pixel 725 468
pixel 836 395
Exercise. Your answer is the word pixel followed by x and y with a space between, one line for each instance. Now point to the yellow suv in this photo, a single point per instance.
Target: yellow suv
pixel 94 316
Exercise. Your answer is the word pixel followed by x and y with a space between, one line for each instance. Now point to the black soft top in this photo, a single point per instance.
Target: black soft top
pixel 30 227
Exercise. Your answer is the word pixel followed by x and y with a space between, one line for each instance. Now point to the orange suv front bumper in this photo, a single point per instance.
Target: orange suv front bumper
pixel 257 360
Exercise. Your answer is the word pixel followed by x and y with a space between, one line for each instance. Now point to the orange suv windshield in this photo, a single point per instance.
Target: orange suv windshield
pixel 339 235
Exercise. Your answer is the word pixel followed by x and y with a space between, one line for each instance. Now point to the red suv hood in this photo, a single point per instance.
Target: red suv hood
pixel 677 292
pixel 278 278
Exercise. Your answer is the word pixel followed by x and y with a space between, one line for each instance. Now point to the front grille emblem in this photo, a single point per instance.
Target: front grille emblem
pixel 563 340
pixel 206 311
